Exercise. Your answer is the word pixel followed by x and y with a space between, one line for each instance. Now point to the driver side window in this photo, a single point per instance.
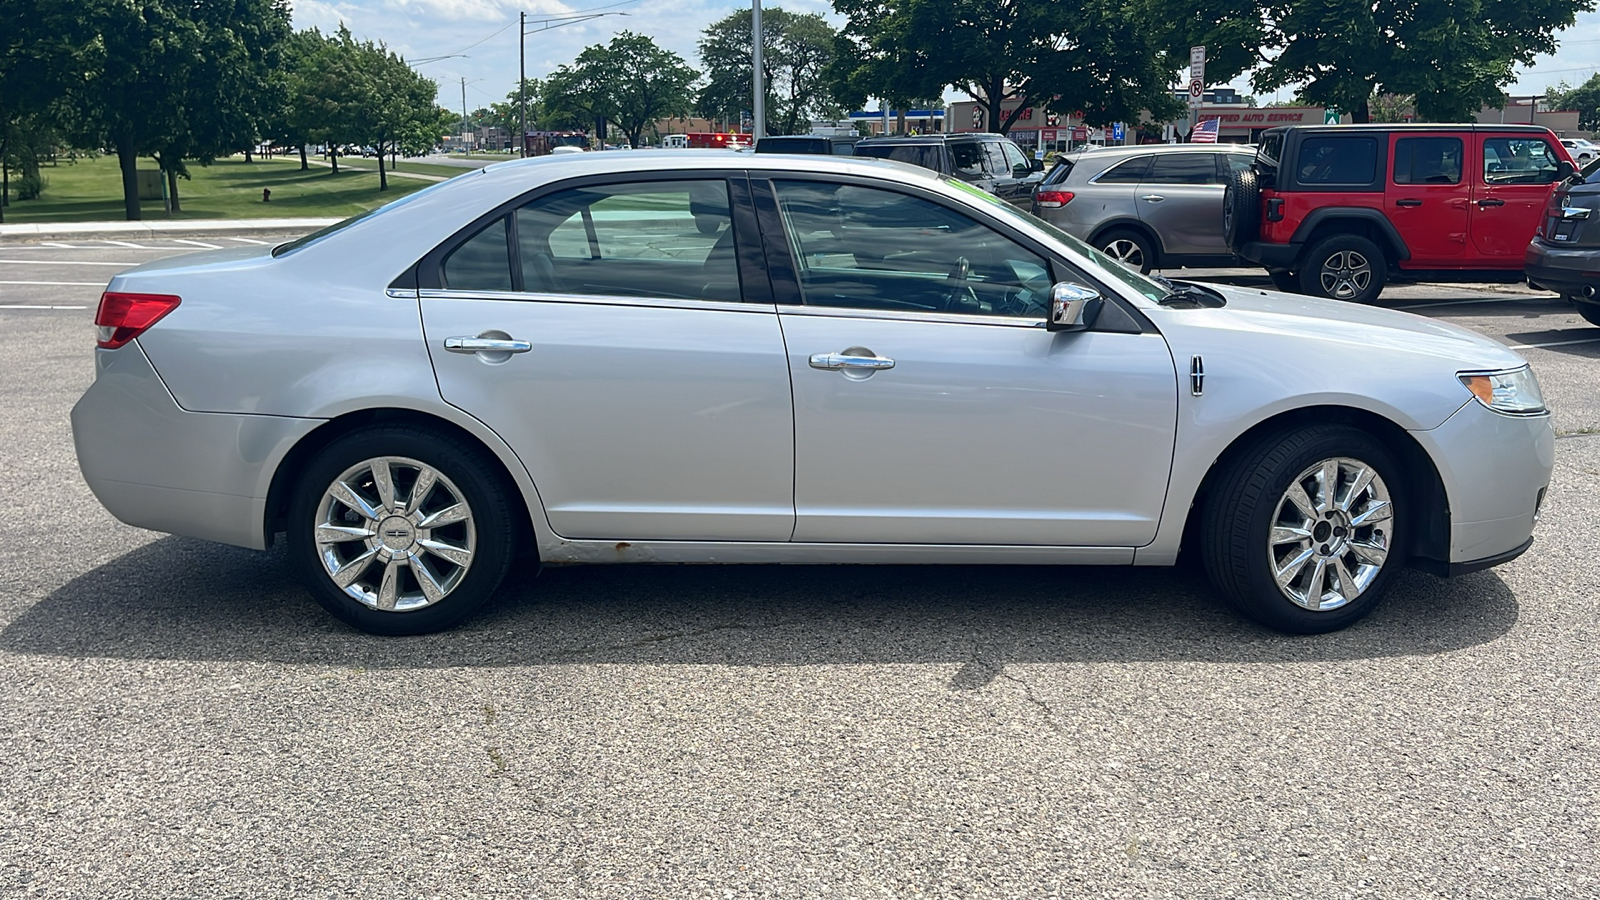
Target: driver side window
pixel 867 248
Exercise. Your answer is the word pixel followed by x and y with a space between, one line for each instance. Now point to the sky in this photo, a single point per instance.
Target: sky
pixel 475 41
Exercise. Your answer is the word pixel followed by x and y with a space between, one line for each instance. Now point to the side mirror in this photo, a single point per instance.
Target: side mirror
pixel 1073 307
pixel 1565 170
pixel 1036 165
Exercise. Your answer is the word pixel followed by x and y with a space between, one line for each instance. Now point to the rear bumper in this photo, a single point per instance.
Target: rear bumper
pixel 155 465
pixel 1271 256
pixel 1565 270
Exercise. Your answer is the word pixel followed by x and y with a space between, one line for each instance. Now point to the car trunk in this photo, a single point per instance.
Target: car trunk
pixel 1572 218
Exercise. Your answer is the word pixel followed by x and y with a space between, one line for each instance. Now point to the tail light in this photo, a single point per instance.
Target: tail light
pixel 1053 199
pixel 123 317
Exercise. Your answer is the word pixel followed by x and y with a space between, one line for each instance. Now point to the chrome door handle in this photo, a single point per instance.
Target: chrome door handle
pixel 486 345
pixel 1153 198
pixel 834 361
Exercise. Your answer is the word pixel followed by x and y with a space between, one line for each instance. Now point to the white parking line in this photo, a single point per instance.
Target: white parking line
pixel 1500 299
pixel 61 262
pixel 246 240
pixel 26 306
pixel 60 246
pixel 1593 340
pixel 197 243
pixel 61 283
pixel 131 244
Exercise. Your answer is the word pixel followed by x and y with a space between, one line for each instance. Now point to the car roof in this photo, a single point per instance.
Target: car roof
pixel 935 138
pixel 1136 149
pixel 1414 126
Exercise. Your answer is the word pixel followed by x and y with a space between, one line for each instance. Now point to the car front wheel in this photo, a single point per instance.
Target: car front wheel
pixel 1304 531
pixel 1344 267
pixel 400 531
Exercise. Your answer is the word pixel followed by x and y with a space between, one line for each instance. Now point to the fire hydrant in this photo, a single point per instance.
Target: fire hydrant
pixel 266 195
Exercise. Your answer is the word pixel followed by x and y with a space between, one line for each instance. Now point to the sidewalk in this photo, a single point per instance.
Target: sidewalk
pixel 159 228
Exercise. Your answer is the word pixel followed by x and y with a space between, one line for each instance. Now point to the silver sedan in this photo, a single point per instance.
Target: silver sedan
pixel 686 357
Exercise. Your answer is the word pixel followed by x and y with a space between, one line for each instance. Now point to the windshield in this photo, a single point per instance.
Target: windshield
pixel 924 155
pixel 313 237
pixel 1110 268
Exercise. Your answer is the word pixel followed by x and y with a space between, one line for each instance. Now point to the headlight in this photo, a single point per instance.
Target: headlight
pixel 1515 393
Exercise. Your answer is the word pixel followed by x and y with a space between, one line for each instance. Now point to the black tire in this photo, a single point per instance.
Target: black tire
pixel 1589 311
pixel 1129 247
pixel 1246 508
pixel 1284 280
pixel 464 474
pixel 1241 209
pixel 1323 275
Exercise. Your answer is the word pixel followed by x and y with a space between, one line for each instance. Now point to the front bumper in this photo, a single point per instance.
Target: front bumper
pixel 155 465
pixel 1495 470
pixel 1565 270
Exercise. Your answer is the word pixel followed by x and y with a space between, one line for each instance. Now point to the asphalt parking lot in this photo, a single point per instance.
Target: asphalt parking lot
pixel 180 719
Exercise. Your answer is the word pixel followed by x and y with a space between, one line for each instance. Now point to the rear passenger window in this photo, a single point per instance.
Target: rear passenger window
pixel 968 160
pixel 483 263
pixel 666 239
pixel 1183 168
pixel 1130 172
pixel 1427 160
pixel 1338 161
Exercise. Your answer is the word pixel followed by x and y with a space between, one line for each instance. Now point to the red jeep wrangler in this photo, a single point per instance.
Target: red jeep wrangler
pixel 1336 210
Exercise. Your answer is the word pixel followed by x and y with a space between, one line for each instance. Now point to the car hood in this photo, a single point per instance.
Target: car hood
pixel 1350 326
pixel 1265 352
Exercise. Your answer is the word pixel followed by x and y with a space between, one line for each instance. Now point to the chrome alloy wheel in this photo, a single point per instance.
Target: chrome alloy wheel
pixel 1331 534
pixel 1345 275
pixel 1126 252
pixel 394 534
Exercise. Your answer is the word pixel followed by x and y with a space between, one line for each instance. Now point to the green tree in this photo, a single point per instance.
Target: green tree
pixel 796 52
pixel 1453 56
pixel 1584 98
pixel 292 123
pixel 630 82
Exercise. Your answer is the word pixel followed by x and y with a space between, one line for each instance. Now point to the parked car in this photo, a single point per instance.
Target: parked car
pixel 1147 207
pixel 1581 150
pixel 1337 210
pixel 823 144
pixel 1564 255
pixel 990 161
pixel 673 357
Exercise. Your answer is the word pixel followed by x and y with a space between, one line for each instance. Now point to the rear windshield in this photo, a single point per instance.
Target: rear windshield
pixel 791 145
pixel 315 236
pixel 1059 172
pixel 924 155
pixel 1591 172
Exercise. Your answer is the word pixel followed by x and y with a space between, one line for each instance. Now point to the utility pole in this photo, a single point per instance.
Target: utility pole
pixel 522 82
pixel 760 106
pixel 465 146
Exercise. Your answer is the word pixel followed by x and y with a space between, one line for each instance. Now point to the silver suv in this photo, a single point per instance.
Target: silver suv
pixel 1155 206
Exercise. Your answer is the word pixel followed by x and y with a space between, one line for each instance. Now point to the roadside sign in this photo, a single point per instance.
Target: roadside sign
pixel 1330 116
pixel 1197 76
pixel 1116 131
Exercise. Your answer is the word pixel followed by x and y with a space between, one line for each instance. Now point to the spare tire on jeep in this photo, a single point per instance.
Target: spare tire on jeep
pixel 1241 209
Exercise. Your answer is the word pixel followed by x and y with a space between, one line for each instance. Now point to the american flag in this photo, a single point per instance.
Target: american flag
pixel 1205 132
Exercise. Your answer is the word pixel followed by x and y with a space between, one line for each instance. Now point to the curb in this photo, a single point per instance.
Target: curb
pixel 160 228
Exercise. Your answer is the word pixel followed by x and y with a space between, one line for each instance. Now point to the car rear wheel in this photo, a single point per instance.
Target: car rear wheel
pixel 1344 267
pixel 1130 248
pixel 1303 532
pixel 1589 311
pixel 399 531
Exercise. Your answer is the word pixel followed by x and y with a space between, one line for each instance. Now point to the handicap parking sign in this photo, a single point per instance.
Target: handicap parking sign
pixel 1116 131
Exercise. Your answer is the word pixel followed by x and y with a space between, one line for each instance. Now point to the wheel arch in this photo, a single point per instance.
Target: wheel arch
pixel 1128 224
pixel 1368 223
pixel 508 469
pixel 1430 529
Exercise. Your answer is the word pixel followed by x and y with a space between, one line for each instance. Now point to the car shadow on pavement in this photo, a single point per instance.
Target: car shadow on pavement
pixel 178 598
pixel 1580 340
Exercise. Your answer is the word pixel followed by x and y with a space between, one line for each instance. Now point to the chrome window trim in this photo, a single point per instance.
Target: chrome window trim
pixel 846 312
pixel 596 300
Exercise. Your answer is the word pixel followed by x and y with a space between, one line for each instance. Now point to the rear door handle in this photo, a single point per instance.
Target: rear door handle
pixel 1483 204
pixel 834 361
pixel 486 345
pixel 1408 203
pixel 1153 198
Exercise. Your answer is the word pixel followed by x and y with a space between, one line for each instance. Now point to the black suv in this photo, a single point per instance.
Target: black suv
pixel 815 144
pixel 990 161
pixel 1564 255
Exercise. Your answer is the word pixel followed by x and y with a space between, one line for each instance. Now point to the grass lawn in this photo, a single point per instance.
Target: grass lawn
pixel 90 190
pixel 420 168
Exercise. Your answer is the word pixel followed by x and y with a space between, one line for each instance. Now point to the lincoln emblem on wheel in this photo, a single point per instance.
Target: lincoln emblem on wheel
pixel 703 357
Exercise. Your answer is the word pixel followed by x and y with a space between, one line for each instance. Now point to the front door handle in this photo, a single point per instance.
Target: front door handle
pixel 1153 198
pixel 848 360
pixel 1484 204
pixel 486 345
pixel 1408 203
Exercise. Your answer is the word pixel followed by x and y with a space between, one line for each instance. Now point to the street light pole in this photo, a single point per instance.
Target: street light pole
pixel 522 81
pixel 468 149
pixel 759 126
